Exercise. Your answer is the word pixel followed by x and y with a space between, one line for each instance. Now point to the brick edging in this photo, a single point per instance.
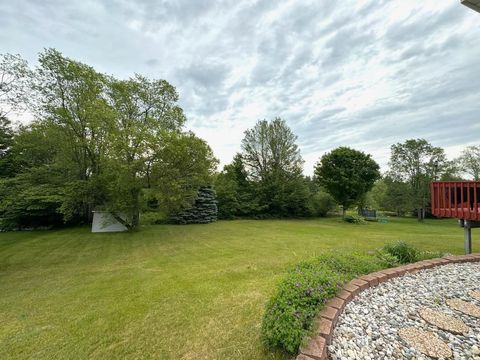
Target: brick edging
pixel 326 320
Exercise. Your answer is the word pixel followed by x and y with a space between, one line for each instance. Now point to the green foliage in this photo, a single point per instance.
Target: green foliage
pixel 322 203
pixel 266 179
pixel 181 164
pixel 398 197
pixel 14 74
pixel 386 259
pixel 425 255
pixel 273 164
pixel 469 162
pixel 235 194
pixel 355 219
pixel 404 252
pixel 203 210
pixel 7 165
pixel 30 200
pixel 347 174
pixel 107 143
pixel 300 295
pixel 416 162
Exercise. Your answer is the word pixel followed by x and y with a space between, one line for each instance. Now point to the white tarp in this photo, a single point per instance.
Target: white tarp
pixel 104 222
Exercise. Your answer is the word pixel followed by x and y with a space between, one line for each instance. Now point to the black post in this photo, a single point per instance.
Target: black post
pixel 467 231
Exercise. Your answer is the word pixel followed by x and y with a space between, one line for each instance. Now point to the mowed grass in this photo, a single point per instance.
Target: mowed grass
pixel 169 292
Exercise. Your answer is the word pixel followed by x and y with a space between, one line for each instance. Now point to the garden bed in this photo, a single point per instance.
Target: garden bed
pixel 331 330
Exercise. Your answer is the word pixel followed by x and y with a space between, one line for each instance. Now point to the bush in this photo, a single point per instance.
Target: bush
pixel 355 219
pixel 405 253
pixel 300 295
pixel 386 259
pixel 321 204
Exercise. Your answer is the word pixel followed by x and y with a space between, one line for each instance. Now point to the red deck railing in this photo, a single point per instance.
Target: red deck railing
pixel 456 199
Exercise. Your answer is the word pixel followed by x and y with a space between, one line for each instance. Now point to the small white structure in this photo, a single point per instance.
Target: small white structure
pixel 103 221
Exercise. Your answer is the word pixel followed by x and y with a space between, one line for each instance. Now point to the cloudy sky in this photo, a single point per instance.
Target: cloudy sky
pixel 360 73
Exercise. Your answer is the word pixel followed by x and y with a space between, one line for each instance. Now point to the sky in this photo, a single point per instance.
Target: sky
pixel 364 74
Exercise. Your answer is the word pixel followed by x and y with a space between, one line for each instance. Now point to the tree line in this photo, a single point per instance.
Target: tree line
pixel 97 142
pixel 102 143
pixel 265 179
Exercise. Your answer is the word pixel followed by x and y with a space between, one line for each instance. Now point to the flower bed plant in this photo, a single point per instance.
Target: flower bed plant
pixel 301 294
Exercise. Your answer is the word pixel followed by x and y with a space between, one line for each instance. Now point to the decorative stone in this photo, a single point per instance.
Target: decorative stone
pixel 444 321
pixel 465 307
pixel 425 342
pixel 475 294
pixel 368 327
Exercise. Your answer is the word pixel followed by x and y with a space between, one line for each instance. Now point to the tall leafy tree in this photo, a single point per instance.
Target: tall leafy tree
pixel 7 167
pixel 417 163
pixel 398 196
pixel 101 142
pixel 179 166
pixel 235 193
pixel 347 174
pixel 144 113
pixel 469 162
pixel 14 75
pixel 272 160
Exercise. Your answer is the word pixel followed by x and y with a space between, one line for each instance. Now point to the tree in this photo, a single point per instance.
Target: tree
pixel 104 143
pixel 417 163
pixel 235 194
pixel 144 114
pixel 14 75
pixel 397 197
pixel 7 167
pixel 347 174
pixel 273 163
pixel 469 161
pixel 179 166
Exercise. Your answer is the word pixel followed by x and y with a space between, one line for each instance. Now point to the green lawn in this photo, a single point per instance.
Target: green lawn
pixel 169 292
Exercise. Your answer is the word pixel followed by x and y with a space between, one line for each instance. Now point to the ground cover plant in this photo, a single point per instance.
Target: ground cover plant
pixel 169 291
pixel 303 292
pixel 405 253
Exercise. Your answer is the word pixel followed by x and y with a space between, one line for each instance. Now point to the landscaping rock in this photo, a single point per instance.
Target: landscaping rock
pixel 426 342
pixel 444 321
pixel 370 324
pixel 464 306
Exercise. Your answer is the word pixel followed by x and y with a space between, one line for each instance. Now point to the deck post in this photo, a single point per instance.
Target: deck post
pixel 467 231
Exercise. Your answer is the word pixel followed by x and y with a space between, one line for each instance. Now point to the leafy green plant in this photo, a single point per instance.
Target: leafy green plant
pixel 301 294
pixel 404 252
pixel 386 259
pixel 322 203
pixel 355 219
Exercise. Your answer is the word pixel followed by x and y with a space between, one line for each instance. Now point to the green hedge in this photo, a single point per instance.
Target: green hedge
pixel 300 295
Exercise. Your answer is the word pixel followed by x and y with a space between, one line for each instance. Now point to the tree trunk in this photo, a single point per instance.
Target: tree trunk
pixel 419 214
pixel 343 212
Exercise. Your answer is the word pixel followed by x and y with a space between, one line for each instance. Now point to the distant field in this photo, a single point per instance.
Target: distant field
pixel 169 292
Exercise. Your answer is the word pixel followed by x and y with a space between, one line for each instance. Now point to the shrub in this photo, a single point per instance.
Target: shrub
pixel 355 219
pixel 322 203
pixel 404 252
pixel 301 294
pixel 386 259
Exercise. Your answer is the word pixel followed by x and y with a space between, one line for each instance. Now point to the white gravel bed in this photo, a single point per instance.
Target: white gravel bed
pixel 368 327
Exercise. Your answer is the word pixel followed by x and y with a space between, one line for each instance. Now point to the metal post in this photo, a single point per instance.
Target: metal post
pixel 467 231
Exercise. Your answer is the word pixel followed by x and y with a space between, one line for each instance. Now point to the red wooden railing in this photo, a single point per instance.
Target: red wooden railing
pixel 456 199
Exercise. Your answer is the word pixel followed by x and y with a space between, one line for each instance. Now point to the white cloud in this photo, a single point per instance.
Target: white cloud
pixel 363 74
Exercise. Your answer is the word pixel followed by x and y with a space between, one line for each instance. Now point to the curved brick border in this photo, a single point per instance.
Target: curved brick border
pixel 327 318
